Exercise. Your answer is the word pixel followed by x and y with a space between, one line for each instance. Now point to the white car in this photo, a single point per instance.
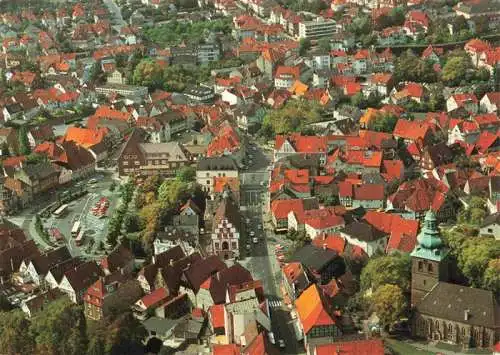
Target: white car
pixel 282 343
pixel 255 240
pixel 248 246
pixel 260 226
pixel 247 220
pixel 254 148
pixel 271 337
pixel 252 234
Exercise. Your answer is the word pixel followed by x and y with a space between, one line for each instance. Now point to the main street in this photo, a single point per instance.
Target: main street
pixel 261 259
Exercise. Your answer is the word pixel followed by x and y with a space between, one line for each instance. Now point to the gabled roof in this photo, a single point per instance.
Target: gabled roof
pixel 217 315
pixel 411 130
pixel 451 302
pixel 154 297
pixel 312 309
pixel 332 241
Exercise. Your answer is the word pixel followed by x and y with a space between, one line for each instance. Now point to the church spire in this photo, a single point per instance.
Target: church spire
pixel 430 245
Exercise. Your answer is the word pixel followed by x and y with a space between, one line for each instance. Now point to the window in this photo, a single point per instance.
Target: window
pixel 430 268
pixel 208 174
pixel 420 266
pixel 490 230
pixel 208 182
pixel 125 163
pixel 137 162
pixel 425 281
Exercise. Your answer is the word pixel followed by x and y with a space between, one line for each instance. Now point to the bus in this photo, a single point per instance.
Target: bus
pixel 79 238
pixel 75 229
pixel 60 211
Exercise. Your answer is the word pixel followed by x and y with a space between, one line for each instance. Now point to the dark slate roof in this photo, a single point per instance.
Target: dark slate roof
pixel 450 301
pixel 363 231
pixel 314 258
pixel 83 275
pixel 40 170
pixel 440 154
pixel 118 258
pixel 202 270
pixel 234 275
pixel 44 262
pixel 173 254
pixel 217 163
pixel 491 219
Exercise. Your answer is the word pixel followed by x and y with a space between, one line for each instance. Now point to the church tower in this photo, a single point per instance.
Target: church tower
pixel 429 260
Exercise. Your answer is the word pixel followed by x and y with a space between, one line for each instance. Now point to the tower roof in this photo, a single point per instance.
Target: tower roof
pixel 430 245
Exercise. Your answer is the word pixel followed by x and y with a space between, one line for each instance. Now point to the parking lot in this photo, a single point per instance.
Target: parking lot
pixel 93 225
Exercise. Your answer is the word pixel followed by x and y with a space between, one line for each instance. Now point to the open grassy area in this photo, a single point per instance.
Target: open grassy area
pixel 402 348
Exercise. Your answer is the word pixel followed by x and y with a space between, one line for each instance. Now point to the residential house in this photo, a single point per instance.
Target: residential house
pixel 76 281
pixel 39 134
pixel 491 226
pixel 285 76
pixel 435 156
pixel 280 209
pixel 322 263
pixel 295 279
pixel 365 236
pixel 109 296
pixel 466 101
pixel 296 144
pixel 214 289
pixel 411 131
pixel 34 270
pixel 316 320
pixel 9 143
pixel 120 260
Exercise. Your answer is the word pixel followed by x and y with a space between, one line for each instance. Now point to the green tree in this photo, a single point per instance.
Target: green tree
pixel 292 117
pixel 409 67
pixel 14 338
pixel 148 73
pixel 491 278
pixel 60 329
pixel 5 305
pixel 475 257
pixel 389 303
pixel 384 122
pixel 455 70
pixel 304 45
pixel 124 336
pixel 394 269
pixel 24 144
pixel 186 174
pixel 131 223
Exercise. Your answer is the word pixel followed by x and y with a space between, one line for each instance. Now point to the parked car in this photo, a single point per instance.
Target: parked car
pixel 252 234
pixel 281 342
pixel 255 240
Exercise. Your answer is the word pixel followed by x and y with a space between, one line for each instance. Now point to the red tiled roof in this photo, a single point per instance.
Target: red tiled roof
pixel 351 89
pixel 281 208
pixel 331 241
pixel 412 130
pixel 154 297
pixel 217 315
pixel 381 78
pixel 226 349
pixel 283 70
pixel 477 45
pixel 369 192
pixel 85 137
pixel 461 99
pixel 393 168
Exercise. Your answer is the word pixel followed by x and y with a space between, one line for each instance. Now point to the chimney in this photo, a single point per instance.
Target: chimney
pixel 122 271
pixel 466 314
pixel 171 262
pixel 153 261
pixel 11 264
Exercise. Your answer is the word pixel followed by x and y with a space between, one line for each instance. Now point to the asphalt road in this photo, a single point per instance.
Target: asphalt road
pixel 261 259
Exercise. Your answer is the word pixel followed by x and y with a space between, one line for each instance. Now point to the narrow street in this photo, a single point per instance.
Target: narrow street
pixel 261 259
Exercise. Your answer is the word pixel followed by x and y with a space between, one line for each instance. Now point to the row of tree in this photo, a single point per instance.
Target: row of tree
pixel 116 221
pixel 61 329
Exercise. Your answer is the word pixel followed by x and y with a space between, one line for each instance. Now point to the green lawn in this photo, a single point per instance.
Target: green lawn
pixel 402 348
